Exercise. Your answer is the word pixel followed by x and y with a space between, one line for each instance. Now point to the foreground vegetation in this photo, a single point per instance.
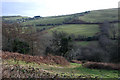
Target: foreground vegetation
pixel 74 70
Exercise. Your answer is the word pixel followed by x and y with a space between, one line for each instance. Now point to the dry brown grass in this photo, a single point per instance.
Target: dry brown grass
pixel 37 59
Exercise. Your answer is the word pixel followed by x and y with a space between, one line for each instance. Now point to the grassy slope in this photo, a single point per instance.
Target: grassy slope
pixel 86 30
pixel 72 71
pixel 93 16
pixel 101 15
pixel 47 20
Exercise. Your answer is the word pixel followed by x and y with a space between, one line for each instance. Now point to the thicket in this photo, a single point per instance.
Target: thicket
pixel 12 39
pixel 60 44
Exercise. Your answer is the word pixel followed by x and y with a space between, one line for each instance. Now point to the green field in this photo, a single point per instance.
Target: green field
pixel 86 30
pixel 85 43
pixel 101 15
pixel 47 20
pixel 72 71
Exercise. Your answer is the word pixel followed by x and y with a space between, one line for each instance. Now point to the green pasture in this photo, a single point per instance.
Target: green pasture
pixel 100 15
pixel 77 29
pixel 47 20
pixel 85 43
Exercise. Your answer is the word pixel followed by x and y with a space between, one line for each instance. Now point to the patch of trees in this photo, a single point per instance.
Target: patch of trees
pixel 11 41
pixel 17 38
pixel 111 47
pixel 107 44
pixel 16 46
pixel 88 53
pixel 60 44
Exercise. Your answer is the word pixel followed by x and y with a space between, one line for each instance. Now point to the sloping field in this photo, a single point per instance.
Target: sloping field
pixel 47 20
pixel 76 29
pixel 101 15
pixel 93 16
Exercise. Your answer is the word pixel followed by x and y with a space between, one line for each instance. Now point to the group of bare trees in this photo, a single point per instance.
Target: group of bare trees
pixel 16 38
pixel 60 44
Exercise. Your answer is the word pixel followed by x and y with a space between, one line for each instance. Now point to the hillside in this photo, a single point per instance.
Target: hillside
pixel 101 15
pixel 88 16
pixel 88 22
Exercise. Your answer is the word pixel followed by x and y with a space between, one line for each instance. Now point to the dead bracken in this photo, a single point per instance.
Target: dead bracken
pixel 37 59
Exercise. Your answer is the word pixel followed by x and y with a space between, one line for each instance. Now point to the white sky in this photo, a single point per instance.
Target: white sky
pixel 58 7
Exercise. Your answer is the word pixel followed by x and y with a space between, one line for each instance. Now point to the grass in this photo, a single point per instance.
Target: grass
pixel 77 29
pixel 46 20
pixel 85 43
pixel 93 16
pixel 73 70
pixel 97 73
pixel 101 15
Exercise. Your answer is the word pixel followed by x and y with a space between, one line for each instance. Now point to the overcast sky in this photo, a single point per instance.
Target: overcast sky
pixel 53 7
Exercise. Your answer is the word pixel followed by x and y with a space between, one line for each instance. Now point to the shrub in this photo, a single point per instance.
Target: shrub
pixel 99 65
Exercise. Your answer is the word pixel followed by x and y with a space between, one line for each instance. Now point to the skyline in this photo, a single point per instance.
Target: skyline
pixel 53 7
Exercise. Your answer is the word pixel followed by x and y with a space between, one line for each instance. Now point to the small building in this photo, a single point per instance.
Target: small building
pixel 37 16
